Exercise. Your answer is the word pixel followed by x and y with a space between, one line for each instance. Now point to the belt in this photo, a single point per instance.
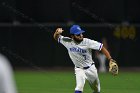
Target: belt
pixel 86 67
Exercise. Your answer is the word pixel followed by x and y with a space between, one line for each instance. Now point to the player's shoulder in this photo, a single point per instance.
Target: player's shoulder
pixel 87 40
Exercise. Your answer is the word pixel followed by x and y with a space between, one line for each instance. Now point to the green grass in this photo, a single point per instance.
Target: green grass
pixel 64 82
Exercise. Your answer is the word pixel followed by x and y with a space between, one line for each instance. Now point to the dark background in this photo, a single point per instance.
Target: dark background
pixel 68 10
pixel 27 27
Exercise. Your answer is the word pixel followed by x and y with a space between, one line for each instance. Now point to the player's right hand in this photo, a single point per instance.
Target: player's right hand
pixel 59 30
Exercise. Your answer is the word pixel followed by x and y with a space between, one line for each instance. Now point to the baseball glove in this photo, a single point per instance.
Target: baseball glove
pixel 113 67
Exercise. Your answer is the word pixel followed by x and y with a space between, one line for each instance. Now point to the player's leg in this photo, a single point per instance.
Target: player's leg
pixel 92 77
pixel 80 80
pixel 95 86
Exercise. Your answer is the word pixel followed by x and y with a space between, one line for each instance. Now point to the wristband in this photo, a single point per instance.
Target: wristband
pixel 109 59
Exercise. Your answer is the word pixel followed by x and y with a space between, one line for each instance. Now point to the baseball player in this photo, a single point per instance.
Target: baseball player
pixel 7 83
pixel 80 52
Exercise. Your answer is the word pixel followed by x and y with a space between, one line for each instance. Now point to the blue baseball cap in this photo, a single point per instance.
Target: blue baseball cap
pixel 75 29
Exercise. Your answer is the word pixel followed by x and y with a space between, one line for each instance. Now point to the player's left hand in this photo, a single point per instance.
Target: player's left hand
pixel 113 67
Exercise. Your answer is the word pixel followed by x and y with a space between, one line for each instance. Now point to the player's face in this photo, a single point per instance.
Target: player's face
pixel 78 38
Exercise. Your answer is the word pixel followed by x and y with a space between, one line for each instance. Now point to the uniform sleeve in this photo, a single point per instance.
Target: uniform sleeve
pixel 95 45
pixel 64 40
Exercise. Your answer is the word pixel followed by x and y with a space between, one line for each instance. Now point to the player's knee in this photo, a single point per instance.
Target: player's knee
pixel 79 88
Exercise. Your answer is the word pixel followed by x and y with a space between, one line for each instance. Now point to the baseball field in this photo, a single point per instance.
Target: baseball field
pixel 64 82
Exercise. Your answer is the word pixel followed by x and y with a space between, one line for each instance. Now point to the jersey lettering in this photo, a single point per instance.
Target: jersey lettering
pixel 73 49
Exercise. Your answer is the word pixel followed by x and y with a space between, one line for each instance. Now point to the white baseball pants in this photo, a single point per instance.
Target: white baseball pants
pixel 90 75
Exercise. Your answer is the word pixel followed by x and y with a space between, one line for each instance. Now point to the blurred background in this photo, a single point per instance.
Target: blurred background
pixel 27 27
